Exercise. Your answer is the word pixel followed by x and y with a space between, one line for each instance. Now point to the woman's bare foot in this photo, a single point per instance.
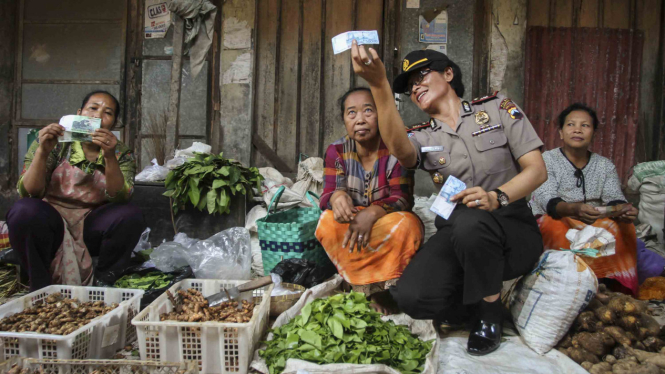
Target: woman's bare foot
pixel 382 302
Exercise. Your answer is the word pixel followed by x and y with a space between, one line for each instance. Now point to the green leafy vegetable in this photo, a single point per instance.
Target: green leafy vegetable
pixel 344 329
pixel 150 281
pixel 208 181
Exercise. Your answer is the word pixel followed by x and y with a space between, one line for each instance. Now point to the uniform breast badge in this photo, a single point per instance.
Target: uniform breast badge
pixel 482 118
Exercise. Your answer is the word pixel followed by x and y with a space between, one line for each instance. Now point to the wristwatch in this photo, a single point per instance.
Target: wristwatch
pixel 503 199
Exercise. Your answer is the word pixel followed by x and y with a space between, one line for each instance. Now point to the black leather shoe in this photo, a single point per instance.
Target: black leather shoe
pixel 485 337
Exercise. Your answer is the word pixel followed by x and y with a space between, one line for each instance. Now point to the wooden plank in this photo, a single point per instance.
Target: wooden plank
pixel 561 13
pixel 538 12
pixel 369 16
pixel 286 102
pixel 133 76
pixel 588 13
pixel 175 85
pixel 337 68
pixel 617 14
pixel 18 70
pixel 265 74
pixel 310 97
pixel 268 152
pixel 651 103
pixel 481 47
pixel 266 56
pixel 214 133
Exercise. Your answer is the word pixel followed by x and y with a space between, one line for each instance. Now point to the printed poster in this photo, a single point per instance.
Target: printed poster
pixel 435 31
pixel 157 19
pixel 439 48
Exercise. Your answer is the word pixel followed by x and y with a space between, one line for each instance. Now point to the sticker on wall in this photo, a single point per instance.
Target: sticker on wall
pixel 413 4
pixel 157 19
pixel 443 48
pixel 435 31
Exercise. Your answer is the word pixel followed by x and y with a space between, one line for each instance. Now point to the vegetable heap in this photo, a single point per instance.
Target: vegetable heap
pixel 209 181
pixel 193 307
pixel 151 281
pixel 57 315
pixel 613 335
pixel 344 329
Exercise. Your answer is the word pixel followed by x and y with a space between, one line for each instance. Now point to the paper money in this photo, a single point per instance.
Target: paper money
pixel 343 41
pixel 614 210
pixel 442 205
pixel 78 128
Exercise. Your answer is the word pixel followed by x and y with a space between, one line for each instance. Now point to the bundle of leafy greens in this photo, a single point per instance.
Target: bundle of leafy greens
pixel 344 329
pixel 150 281
pixel 209 181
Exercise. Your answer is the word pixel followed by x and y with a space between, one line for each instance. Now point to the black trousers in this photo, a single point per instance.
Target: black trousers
pixel 110 231
pixel 468 259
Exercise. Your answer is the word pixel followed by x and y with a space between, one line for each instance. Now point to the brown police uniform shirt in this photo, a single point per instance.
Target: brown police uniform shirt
pixel 492 133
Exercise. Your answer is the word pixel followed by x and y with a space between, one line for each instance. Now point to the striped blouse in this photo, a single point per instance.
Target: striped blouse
pixel 387 185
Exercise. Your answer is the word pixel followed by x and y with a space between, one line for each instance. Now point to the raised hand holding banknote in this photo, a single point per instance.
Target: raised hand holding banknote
pixel 105 140
pixel 368 65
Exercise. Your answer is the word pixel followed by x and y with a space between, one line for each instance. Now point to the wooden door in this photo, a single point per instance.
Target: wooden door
pixel 298 79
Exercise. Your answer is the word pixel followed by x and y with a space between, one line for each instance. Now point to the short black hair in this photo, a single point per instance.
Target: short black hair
pixel 575 107
pixel 342 100
pixel 91 94
pixel 456 83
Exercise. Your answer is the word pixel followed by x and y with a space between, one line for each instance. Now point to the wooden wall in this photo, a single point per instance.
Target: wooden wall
pixel 298 79
pixel 644 15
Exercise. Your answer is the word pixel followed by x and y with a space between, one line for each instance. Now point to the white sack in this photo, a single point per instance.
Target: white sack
pixel 546 302
pixel 421 209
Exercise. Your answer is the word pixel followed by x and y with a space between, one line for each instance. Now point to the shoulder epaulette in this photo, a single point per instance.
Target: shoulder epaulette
pixel 419 126
pixel 485 98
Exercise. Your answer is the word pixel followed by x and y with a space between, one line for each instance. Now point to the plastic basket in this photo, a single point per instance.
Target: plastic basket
pixel 47 366
pixel 217 347
pixel 101 338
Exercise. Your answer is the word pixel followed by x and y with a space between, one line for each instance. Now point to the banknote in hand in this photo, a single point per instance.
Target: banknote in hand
pixel 343 41
pixel 442 206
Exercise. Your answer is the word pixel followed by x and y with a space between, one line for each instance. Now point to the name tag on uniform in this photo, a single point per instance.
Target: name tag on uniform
pixel 436 148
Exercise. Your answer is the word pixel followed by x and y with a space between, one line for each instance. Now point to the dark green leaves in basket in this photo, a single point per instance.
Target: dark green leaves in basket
pixel 209 181
pixel 344 329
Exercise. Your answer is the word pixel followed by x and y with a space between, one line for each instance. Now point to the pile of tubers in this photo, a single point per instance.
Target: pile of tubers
pixel 615 334
pixel 193 307
pixel 107 369
pixel 55 315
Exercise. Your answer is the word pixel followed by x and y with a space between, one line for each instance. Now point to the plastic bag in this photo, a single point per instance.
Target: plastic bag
pixel 546 302
pixel 421 209
pixel 169 256
pixel 591 237
pixel 250 224
pixel 181 155
pixel 280 290
pixel 303 272
pixel 152 173
pixel 225 255
pixel 144 241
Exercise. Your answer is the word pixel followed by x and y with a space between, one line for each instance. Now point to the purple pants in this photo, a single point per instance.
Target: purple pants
pixel 110 231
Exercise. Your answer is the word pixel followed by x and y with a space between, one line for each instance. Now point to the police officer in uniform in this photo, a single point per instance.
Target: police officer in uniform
pixel 491 235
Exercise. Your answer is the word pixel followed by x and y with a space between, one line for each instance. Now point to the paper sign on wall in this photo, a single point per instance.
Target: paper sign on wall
pixel 435 31
pixel 157 19
pixel 439 48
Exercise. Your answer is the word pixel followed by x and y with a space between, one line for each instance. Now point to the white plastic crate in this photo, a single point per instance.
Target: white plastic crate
pixel 101 338
pixel 47 366
pixel 218 347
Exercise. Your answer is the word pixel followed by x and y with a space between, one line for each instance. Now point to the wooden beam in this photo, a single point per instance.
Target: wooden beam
pixel 482 20
pixel 269 154
pixel 176 80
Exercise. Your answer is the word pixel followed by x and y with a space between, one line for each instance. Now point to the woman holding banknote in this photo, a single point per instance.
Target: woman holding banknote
pixel 491 235
pixel 578 182
pixel 73 202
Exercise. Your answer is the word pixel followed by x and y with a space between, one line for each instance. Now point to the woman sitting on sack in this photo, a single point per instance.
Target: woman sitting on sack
pixel 580 180
pixel 73 203
pixel 491 235
pixel 367 230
